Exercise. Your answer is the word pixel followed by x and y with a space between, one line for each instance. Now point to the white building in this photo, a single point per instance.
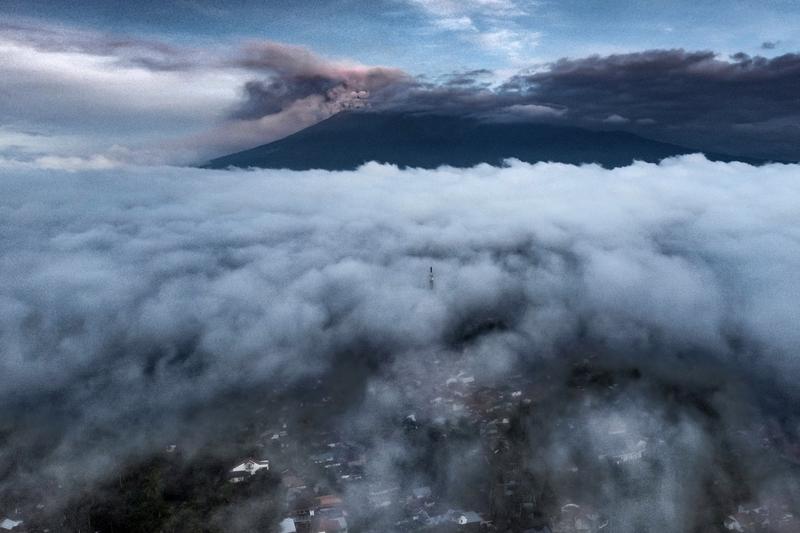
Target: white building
pixel 8 524
pixel 287 526
pixel 467 518
pixel 246 469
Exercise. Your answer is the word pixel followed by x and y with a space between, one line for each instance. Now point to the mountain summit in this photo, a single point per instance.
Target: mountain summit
pixel 349 139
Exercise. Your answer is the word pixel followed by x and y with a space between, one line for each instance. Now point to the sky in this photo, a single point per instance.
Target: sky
pixel 437 36
pixel 176 82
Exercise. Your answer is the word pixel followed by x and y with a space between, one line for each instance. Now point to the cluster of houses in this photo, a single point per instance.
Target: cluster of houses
pixel 314 501
pixel 323 514
pixel 325 476
pixel 328 485
pixel 772 517
pixel 323 485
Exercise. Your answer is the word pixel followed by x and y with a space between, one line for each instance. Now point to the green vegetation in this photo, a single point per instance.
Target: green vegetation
pixel 169 495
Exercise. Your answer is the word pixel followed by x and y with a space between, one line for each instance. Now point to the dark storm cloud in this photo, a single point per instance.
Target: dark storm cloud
pixel 470 77
pixel 743 104
pixel 695 86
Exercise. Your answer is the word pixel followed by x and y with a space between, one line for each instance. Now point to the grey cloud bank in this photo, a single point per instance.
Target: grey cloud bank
pixel 130 297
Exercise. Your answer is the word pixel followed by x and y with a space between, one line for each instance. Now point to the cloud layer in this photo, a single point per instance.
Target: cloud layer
pixel 131 297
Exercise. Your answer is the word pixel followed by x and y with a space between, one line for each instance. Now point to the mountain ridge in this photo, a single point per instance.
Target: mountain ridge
pixel 349 139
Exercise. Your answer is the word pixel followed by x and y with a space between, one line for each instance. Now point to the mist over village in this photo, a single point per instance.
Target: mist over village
pixel 402 266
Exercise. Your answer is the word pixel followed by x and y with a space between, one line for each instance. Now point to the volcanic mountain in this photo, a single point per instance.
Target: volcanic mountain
pixel 349 139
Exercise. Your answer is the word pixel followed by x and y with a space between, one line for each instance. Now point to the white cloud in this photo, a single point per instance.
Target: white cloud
pixel 74 164
pixel 462 23
pixel 491 24
pixel 533 111
pixel 690 248
pixel 517 45
pixel 138 292
pixel 487 8
pixel 23 141
pixel 616 119
pixel 70 83
pixel 63 163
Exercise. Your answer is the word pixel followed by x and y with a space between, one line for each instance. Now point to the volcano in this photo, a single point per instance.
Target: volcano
pixel 349 139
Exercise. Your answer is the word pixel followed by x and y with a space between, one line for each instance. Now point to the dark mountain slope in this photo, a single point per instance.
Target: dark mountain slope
pixel 347 140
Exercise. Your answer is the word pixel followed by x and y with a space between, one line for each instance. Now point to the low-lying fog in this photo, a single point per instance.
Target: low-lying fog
pixel 135 304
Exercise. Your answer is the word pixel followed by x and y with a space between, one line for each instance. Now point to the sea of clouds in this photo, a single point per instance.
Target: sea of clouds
pixel 128 295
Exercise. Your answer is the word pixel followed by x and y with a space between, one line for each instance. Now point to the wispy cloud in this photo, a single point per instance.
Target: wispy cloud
pixel 514 44
pixel 493 25
pixel 100 87
pixel 484 8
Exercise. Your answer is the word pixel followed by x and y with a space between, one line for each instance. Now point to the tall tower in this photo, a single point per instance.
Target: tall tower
pixel 430 279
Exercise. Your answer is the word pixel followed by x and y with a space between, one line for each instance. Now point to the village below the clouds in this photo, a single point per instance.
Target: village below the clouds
pixel 302 473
